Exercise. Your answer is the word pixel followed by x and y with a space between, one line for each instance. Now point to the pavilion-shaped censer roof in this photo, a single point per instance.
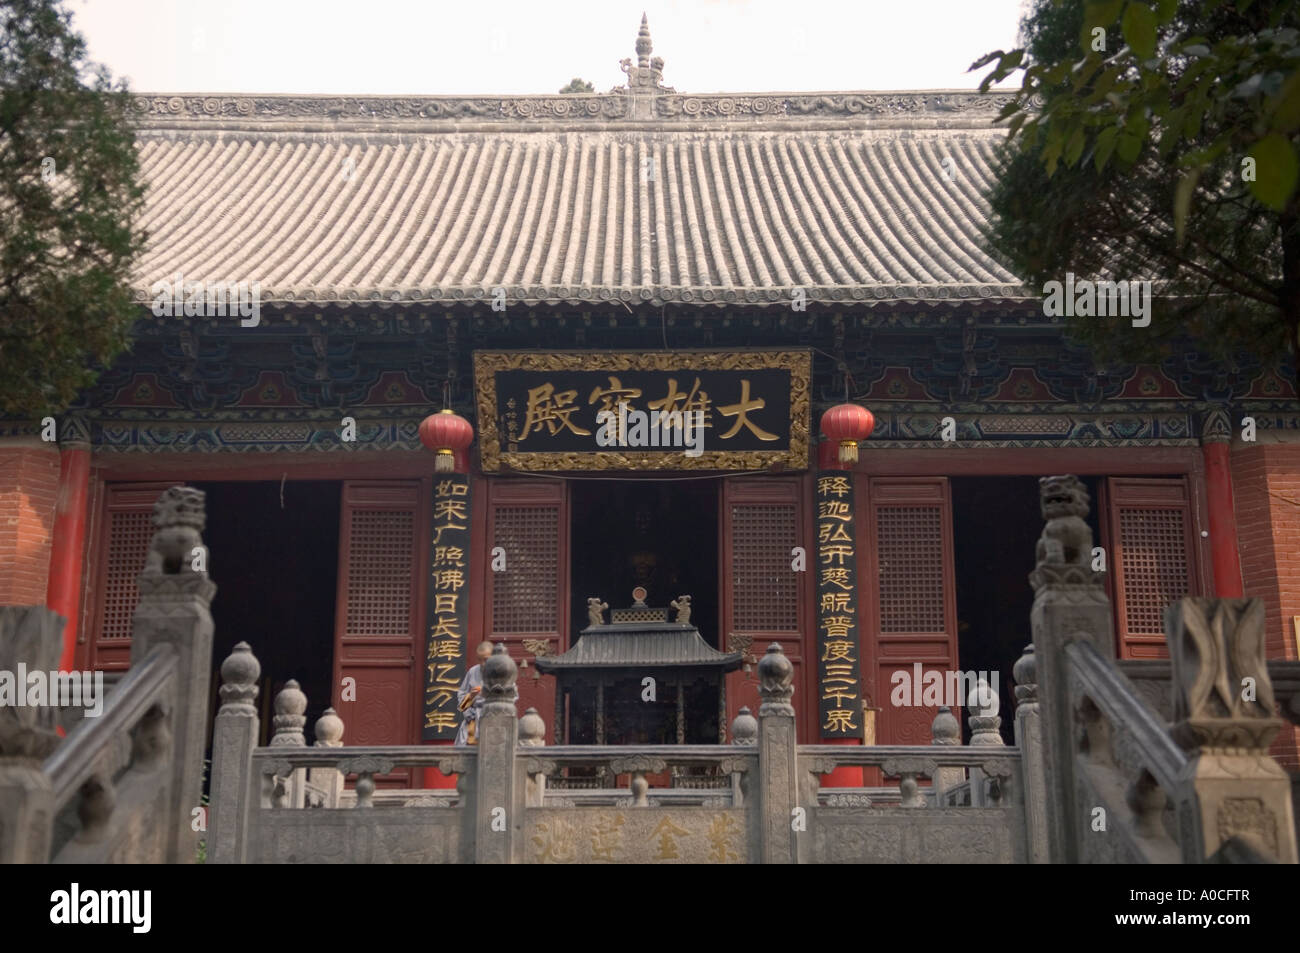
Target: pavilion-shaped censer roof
pixel 639 638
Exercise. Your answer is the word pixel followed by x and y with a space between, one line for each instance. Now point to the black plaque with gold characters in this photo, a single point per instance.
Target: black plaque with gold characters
pixel 678 410
pixel 838 670
pixel 448 606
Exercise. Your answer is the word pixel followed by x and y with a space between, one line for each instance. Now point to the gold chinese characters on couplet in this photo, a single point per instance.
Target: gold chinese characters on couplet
pixel 448 612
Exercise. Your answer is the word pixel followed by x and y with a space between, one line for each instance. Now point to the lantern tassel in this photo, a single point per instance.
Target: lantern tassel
pixel 848 451
pixel 445 462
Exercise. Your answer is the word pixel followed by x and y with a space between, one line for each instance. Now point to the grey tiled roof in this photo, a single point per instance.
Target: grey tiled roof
pixel 871 197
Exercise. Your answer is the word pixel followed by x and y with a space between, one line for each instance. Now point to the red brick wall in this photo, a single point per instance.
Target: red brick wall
pixel 29 484
pixel 1266 490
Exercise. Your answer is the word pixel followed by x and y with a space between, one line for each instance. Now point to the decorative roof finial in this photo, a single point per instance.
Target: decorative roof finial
pixel 643 44
pixel 645 78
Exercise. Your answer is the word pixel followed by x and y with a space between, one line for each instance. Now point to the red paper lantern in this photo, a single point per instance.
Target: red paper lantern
pixel 848 423
pixel 445 433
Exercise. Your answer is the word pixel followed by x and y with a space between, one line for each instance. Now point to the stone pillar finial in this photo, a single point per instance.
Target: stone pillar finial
pixel 499 673
pixel 1064 550
pixel 532 729
pixel 775 682
pixel 1223 696
pixel 1224 718
pixel 289 719
pixel 744 728
pixel 644 46
pixel 239 674
pixel 984 720
pixel 1025 672
pixel 945 730
pixel 179 516
pixel 329 729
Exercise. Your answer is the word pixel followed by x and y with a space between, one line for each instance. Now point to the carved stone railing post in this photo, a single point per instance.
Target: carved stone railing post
pixel 945 731
pixel 907 770
pixel 288 722
pixel 32 635
pixel 532 734
pixel 778 782
pixel 234 736
pixel 1029 739
pixel 1224 719
pixel 325 785
pixel 175 593
pixel 744 733
pixel 1070 605
pixel 499 810
pixel 983 704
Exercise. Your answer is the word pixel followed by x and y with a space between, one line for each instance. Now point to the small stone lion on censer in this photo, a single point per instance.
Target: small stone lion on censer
pixel 595 611
pixel 1066 538
pixel 683 606
pixel 180 519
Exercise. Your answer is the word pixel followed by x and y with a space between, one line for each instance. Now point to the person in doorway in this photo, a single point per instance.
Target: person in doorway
pixel 469 697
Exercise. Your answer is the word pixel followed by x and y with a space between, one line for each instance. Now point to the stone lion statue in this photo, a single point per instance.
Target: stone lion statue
pixel 1066 538
pixel 595 610
pixel 683 606
pixel 180 518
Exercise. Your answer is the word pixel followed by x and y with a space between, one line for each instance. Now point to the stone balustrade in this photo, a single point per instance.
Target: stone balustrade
pixel 1102 769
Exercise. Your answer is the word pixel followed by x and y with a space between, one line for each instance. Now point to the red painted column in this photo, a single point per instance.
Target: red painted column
pixel 845 776
pixel 1215 436
pixel 63 592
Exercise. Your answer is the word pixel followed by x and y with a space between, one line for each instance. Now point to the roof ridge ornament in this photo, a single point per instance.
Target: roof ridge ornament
pixel 649 72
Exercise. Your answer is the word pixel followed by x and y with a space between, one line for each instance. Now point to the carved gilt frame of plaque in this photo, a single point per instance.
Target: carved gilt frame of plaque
pixel 494 458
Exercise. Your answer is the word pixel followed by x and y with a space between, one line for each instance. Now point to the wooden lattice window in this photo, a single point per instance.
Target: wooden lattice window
pixel 129 533
pixel 911 567
pixel 526 599
pixel 527 519
pixel 764 590
pixel 126 528
pixel 379 571
pixel 1153 563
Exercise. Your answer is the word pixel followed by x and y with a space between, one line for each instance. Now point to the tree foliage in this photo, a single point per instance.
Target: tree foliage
pixel 577 85
pixel 1157 139
pixel 69 199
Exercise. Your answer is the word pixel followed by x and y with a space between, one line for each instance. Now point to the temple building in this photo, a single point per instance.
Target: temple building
pixel 747 354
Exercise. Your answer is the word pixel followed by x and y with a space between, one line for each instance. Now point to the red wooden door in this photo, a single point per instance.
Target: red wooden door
pixel 121 544
pixel 906 578
pixel 763 598
pixel 383 534
pixel 1148 535
pixel 526 602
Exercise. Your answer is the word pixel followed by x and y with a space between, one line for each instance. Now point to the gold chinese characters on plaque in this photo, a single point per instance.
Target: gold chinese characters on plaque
pixel 608 410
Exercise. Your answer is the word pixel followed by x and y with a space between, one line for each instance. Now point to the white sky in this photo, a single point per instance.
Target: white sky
pixel 433 47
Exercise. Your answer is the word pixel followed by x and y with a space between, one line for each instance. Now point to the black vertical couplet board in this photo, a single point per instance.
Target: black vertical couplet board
pixel 448 606
pixel 838 645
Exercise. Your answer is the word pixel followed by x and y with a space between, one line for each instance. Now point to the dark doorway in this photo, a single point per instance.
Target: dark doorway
pixel 659 534
pixel 273 552
pixel 996 525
